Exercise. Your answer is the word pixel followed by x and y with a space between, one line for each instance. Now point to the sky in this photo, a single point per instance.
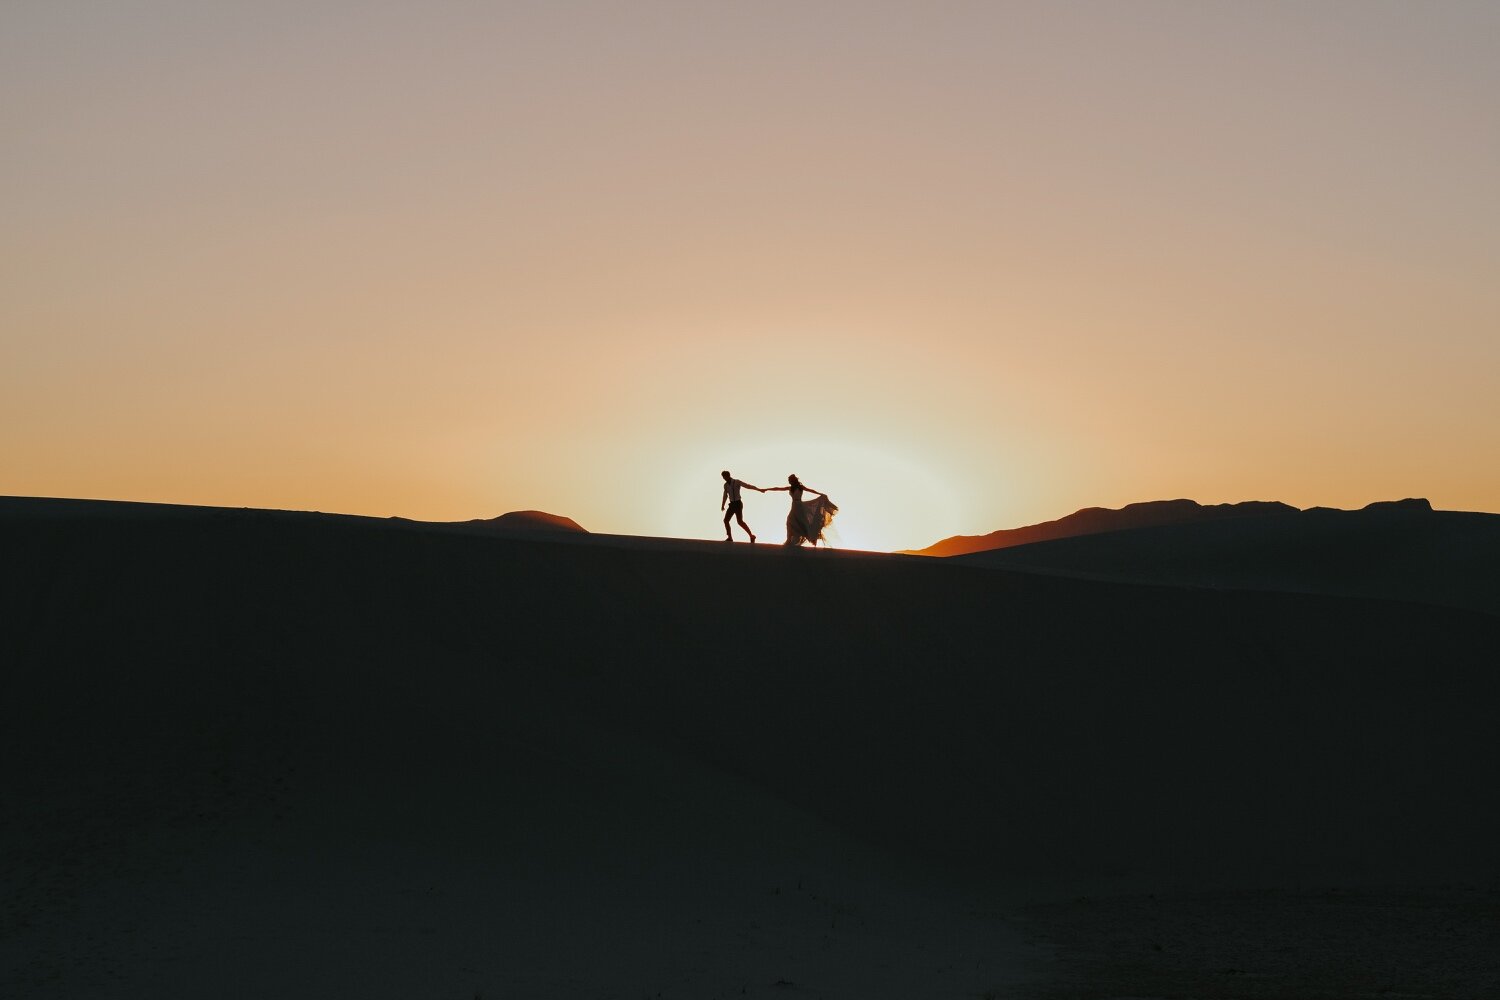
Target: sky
pixel 961 265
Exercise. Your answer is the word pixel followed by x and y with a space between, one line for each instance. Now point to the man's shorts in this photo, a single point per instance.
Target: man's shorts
pixel 735 507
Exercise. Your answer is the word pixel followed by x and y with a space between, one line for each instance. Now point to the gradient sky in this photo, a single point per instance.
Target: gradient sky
pixel 964 266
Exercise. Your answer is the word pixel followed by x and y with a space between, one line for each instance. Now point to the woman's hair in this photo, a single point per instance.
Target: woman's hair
pixel 793 478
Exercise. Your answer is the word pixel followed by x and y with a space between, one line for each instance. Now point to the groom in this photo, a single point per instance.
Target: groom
pixel 736 509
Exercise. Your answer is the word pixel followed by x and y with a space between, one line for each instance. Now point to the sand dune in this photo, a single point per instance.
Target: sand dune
pixel 1404 552
pixel 262 753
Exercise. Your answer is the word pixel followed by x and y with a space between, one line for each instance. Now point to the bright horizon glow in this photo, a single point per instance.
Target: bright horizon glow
pixel 888 502
pixel 964 266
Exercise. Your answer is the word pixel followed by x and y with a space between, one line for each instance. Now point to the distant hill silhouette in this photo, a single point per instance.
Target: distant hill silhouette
pixel 1096 520
pixel 531 520
pixel 1400 550
pixel 48 508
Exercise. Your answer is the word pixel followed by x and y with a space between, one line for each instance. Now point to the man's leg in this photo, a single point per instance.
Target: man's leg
pixel 740 516
pixel 728 537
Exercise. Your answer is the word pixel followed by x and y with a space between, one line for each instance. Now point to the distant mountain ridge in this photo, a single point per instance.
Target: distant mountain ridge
pixel 1097 520
pixel 1399 550
pixel 531 520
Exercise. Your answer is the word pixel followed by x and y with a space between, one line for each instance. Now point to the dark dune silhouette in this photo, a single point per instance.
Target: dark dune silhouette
pixel 530 520
pixel 282 754
pixel 1401 550
pixel 1095 520
pixel 47 508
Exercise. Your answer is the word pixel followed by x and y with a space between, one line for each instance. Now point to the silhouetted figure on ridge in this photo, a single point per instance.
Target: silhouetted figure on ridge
pixel 807 519
pixel 736 508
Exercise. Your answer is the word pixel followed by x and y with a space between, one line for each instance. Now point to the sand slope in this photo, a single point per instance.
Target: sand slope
pixel 258 754
pixel 1395 552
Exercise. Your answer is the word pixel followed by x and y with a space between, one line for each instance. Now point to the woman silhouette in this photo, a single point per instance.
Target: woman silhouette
pixel 807 519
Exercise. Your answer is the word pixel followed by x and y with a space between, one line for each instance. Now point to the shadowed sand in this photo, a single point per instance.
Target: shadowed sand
pixel 252 753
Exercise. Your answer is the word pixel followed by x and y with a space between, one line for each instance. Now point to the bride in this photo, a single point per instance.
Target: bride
pixel 807 518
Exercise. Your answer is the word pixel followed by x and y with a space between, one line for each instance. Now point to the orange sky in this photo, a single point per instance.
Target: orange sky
pixel 963 266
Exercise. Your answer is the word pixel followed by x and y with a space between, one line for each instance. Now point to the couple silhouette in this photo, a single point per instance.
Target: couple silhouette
pixel 804 522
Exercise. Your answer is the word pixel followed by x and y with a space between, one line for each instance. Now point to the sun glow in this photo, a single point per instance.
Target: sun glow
pixel 885 501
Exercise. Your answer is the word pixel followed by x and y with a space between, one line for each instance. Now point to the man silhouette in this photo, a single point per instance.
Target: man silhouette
pixel 735 508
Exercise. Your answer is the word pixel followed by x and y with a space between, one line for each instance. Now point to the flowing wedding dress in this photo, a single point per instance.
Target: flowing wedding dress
pixel 807 518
